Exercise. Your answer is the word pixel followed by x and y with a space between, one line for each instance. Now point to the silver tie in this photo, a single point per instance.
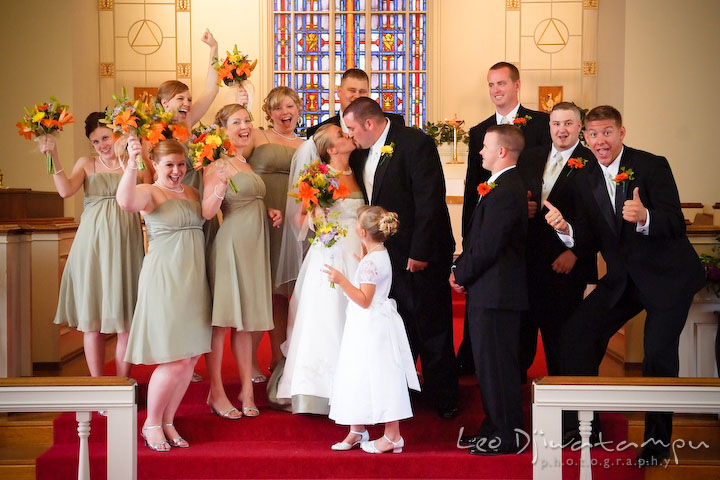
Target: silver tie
pixel 552 171
pixel 611 186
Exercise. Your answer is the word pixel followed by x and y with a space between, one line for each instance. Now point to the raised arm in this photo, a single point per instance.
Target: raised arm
pixel 132 197
pixel 66 186
pixel 203 102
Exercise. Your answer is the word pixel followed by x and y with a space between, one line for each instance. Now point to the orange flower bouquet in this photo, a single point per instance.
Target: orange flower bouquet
pixel 44 119
pixel 126 119
pixel 234 69
pixel 208 145
pixel 318 185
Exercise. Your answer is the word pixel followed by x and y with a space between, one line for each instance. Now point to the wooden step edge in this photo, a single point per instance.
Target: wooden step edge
pixel 29 419
pixel 21 454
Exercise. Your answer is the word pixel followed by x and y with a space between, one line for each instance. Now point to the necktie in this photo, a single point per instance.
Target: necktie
pixel 552 171
pixel 611 186
pixel 504 121
pixel 369 172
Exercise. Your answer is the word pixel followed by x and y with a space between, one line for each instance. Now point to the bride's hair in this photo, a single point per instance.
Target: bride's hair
pixel 378 222
pixel 324 140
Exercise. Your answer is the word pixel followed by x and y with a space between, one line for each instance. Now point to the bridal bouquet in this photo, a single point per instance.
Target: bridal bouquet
pixel 318 185
pixel 44 119
pixel 234 69
pixel 161 126
pixel 209 144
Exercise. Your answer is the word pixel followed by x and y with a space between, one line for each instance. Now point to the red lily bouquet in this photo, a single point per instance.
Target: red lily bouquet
pixel 44 119
pixel 209 144
pixel 234 69
pixel 317 185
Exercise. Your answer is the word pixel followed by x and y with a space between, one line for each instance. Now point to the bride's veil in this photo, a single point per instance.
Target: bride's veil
pixel 293 244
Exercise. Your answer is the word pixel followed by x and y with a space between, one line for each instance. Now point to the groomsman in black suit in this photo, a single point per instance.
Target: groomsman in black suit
pixel 504 88
pixel 353 84
pixel 557 275
pixel 491 269
pixel 401 172
pixel 633 209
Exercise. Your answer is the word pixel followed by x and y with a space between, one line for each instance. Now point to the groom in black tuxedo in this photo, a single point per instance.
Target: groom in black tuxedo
pixel 401 172
pixel 491 269
pixel 504 89
pixel 633 210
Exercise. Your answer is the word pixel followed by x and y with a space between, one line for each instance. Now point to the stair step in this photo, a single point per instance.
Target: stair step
pixel 27 429
pixel 18 461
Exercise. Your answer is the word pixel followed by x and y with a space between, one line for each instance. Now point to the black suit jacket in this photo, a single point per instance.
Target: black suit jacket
pixel 394 118
pixel 663 265
pixel 411 183
pixel 536 132
pixel 492 265
pixel 543 244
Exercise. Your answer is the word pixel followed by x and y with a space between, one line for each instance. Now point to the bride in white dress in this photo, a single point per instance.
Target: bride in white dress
pixel 316 316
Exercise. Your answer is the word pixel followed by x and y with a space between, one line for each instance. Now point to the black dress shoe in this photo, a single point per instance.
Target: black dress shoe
pixel 448 412
pixel 651 458
pixel 485 450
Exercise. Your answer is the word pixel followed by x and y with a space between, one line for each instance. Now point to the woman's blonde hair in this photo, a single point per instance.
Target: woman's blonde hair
pixel 222 116
pixel 378 222
pixel 167 147
pixel 275 97
pixel 324 141
pixel 168 89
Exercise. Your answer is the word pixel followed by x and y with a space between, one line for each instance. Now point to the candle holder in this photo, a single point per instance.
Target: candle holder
pixel 455 123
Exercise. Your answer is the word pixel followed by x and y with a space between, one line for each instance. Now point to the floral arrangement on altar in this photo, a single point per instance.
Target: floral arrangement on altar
pixel 234 69
pixel 44 119
pixel 711 266
pixel 442 132
pixel 209 144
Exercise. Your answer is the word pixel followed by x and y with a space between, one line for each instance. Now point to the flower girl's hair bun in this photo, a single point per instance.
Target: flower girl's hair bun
pixel 378 222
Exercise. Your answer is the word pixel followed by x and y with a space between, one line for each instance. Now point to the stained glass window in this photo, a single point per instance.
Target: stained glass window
pixel 315 41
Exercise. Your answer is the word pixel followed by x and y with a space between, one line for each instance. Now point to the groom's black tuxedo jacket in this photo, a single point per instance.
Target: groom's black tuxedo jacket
pixel 663 265
pixel 543 244
pixel 492 264
pixel 411 183
pixel 394 118
pixel 536 132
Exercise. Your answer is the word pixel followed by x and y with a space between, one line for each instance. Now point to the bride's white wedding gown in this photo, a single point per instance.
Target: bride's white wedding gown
pixel 316 317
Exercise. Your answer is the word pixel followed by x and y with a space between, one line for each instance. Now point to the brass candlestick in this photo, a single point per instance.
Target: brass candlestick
pixel 455 123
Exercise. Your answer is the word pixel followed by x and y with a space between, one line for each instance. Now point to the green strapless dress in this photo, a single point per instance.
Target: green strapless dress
pixel 172 316
pixel 99 285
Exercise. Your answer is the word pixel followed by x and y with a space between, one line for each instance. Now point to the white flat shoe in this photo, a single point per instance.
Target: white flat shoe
pixel 342 446
pixel 370 447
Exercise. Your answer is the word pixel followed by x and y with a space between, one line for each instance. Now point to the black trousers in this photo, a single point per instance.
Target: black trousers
pixel 586 336
pixel 425 305
pixel 494 336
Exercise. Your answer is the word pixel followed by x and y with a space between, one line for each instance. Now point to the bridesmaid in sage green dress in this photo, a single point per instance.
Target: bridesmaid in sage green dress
pixel 171 325
pixel 98 288
pixel 238 263
pixel 270 153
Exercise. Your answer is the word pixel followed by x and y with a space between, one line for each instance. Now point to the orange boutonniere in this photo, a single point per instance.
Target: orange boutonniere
pixel 624 177
pixel 521 121
pixel 485 188
pixel 576 163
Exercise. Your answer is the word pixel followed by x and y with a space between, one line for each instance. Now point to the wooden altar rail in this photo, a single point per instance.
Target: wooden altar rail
pixel 83 395
pixel 552 395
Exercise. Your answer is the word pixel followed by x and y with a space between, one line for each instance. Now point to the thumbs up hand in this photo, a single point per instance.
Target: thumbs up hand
pixel 532 206
pixel 633 210
pixel 555 219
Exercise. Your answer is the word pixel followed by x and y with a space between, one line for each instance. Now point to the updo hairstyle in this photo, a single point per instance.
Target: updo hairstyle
pixel 378 222
pixel 167 147
pixel 222 116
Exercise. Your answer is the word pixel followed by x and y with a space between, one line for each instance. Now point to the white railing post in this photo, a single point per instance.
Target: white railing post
pixel 585 418
pixel 547 442
pixel 121 443
pixel 83 419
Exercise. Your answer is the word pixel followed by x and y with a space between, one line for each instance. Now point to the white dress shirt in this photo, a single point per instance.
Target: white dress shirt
pixel 553 167
pixel 372 162
pixel 343 127
pixel 509 117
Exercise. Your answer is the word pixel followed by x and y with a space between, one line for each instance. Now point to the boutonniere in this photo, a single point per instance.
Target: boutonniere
pixel 386 151
pixel 485 188
pixel 576 163
pixel 624 177
pixel 521 121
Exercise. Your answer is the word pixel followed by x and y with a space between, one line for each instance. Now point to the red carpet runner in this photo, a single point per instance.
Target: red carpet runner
pixel 281 445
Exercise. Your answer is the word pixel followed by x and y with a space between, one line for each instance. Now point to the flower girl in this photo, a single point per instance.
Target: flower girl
pixel 375 366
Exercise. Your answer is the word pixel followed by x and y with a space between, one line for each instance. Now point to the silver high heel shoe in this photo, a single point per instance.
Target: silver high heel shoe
pixel 176 442
pixel 370 447
pixel 342 446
